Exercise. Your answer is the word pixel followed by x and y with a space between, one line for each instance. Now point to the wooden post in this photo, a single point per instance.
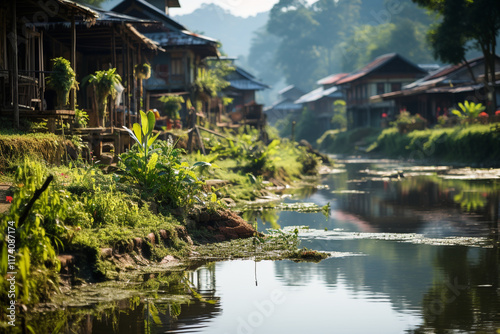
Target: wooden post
pixel 73 60
pixel 192 118
pixel 112 110
pixel 15 69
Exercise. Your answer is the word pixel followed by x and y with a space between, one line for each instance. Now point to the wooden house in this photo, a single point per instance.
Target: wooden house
pixel 319 102
pixel 175 70
pixel 285 105
pixel 440 91
pixel 387 73
pixel 111 42
pixel 242 89
pixel 23 55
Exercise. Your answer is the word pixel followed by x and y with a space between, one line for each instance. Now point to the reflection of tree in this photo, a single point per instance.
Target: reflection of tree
pixel 161 304
pixel 463 295
pixel 266 216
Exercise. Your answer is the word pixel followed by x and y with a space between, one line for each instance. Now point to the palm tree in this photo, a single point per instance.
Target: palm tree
pixel 103 83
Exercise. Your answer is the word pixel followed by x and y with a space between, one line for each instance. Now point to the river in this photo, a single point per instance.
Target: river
pixel 411 253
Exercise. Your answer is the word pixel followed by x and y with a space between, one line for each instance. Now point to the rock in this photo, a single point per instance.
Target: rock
pixel 182 233
pixel 152 238
pixel 106 253
pixel 169 259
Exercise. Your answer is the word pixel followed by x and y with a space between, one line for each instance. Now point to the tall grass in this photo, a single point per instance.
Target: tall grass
pixel 471 144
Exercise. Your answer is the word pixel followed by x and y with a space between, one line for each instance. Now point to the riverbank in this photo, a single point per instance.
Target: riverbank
pixel 80 223
pixel 475 144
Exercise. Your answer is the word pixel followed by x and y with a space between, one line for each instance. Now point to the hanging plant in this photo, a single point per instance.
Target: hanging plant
pixel 62 80
pixel 103 83
pixel 143 71
pixel 171 105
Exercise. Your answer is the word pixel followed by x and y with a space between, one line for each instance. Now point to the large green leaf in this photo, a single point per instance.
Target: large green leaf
pixel 144 122
pixel 151 122
pixel 138 132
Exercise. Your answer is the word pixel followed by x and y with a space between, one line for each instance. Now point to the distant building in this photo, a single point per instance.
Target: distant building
pixel 440 91
pixel 387 73
pixel 175 70
pixel 244 108
pixel 285 105
pixel 319 102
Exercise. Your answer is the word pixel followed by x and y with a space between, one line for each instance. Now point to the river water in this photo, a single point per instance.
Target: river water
pixel 411 253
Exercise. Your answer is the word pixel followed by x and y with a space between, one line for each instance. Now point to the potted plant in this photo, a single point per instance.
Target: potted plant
pixel 171 106
pixel 143 71
pixel 103 83
pixel 62 80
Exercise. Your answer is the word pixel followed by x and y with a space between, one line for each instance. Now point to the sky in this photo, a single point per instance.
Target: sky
pixel 242 8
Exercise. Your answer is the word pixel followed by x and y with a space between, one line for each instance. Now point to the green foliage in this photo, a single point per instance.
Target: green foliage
pixel 335 141
pixel 103 83
pixel 143 71
pixel 475 143
pixel 62 80
pixel 46 146
pixel 469 111
pixel 157 167
pixel 339 119
pixel 406 122
pixel 209 82
pixel 81 118
pixel 172 105
pixel 37 239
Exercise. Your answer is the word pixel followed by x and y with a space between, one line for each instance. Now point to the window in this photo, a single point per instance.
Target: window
pixel 395 86
pixel 177 66
pixel 380 88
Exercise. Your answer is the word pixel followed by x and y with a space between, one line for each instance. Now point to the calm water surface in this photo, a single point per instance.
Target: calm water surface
pixel 434 281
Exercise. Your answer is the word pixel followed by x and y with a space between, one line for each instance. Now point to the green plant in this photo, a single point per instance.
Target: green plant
pixel 156 166
pixel 172 105
pixel 37 232
pixel 143 71
pixel 469 111
pixel 62 80
pixel 103 84
pixel 81 118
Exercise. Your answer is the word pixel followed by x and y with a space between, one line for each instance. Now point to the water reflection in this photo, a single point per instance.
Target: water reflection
pixel 370 286
pixel 428 200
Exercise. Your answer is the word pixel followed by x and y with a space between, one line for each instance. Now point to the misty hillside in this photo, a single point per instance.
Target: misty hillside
pixel 234 32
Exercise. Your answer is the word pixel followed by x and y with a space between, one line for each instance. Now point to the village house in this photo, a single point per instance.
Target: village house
pixel 439 92
pixel 24 57
pixel 320 102
pixel 111 42
pixel 285 105
pixel 174 71
pixel 387 73
pixel 242 90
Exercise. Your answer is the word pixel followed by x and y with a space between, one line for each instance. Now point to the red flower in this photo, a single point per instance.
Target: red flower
pixel 483 114
pixel 384 115
pixel 497 112
pixel 8 199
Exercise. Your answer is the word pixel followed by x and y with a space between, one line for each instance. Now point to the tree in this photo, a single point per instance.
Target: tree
pixel 466 24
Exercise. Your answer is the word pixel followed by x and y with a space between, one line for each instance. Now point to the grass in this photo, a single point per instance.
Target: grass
pixel 347 142
pixel 466 144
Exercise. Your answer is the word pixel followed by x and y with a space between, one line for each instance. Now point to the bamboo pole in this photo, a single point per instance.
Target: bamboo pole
pixel 15 69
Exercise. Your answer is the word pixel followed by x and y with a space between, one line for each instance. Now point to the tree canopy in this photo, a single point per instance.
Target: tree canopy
pixel 466 24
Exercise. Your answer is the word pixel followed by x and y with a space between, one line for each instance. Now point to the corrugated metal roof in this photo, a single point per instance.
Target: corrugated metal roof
pixel 320 93
pixel 175 38
pixel 242 80
pixel 374 65
pixel 332 79
pixel 286 105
